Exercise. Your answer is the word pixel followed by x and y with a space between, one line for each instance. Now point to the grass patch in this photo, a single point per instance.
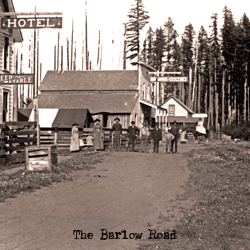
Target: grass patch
pixel 220 185
pixel 26 181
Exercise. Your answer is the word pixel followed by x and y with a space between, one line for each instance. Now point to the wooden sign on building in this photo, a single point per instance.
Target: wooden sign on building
pixel 31 23
pixel 16 79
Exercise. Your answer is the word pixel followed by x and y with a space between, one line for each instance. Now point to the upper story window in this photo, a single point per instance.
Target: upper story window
pixel 171 110
pixel 6 52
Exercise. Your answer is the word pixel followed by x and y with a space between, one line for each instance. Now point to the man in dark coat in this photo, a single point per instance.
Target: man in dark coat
pixel 156 136
pixel 116 132
pixel 133 132
pixel 175 132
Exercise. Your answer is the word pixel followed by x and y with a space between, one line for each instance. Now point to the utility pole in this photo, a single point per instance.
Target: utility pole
pixel 124 46
pixel 86 37
pixel 34 63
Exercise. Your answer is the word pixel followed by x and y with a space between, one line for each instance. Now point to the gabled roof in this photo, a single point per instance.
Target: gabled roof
pixel 90 80
pixel 94 102
pixel 180 103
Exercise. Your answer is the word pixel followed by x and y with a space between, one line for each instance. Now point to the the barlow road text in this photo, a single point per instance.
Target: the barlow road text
pixel 123 235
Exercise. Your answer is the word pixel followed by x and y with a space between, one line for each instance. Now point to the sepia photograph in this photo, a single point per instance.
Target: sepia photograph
pixel 124 125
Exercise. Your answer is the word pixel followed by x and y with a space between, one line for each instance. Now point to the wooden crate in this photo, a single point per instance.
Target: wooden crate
pixel 40 157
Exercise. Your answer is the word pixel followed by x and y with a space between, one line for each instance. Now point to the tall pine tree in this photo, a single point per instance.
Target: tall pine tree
pixel 158 49
pixel 138 18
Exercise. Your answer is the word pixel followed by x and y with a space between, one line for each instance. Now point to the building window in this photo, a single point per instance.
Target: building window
pixel 6 53
pixel 171 109
pixel 5 106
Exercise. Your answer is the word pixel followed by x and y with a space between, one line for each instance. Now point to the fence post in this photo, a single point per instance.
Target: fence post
pixel 38 134
pixel 55 136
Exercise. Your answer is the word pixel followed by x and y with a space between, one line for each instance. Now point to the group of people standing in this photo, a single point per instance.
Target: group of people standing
pixel 95 140
pixel 168 135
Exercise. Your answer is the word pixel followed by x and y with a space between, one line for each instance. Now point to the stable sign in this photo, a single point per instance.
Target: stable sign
pixel 16 79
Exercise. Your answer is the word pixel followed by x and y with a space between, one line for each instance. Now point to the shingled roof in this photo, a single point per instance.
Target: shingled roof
pixel 90 80
pixel 94 102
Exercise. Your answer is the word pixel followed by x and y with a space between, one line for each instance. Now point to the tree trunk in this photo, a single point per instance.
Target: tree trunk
pixel 183 92
pixel 189 102
pixel 195 100
pixel 54 57
pixel 229 100
pixel 174 94
pixel 216 107
pixel 209 97
pixel 72 44
pixel 199 95
pixel 62 57
pixel 67 43
pixel 235 107
pixel 245 97
pixel 58 51
pixel 205 101
pixel 212 106
pixel 248 104
pixel 223 100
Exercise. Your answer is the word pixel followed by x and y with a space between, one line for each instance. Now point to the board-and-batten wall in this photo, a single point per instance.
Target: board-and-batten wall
pixel 7 88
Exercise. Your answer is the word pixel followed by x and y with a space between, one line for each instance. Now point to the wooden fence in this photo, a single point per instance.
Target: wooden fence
pixel 15 136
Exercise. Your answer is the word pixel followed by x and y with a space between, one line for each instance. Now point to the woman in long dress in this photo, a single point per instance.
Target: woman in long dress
pixel 74 142
pixel 183 133
pixel 98 135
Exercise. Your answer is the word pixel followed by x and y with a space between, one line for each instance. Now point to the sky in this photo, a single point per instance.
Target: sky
pixel 108 16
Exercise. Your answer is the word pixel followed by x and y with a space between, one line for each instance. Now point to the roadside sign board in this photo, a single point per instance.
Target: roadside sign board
pixel 169 79
pixel 6 79
pixel 32 23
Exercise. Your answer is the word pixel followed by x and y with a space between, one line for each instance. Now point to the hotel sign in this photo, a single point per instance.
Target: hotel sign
pixel 31 23
pixel 169 79
pixel 16 79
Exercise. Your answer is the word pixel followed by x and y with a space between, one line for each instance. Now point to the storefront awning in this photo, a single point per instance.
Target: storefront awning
pixel 148 104
pixel 66 117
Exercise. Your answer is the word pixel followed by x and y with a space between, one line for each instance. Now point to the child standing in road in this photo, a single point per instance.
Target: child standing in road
pixel 169 137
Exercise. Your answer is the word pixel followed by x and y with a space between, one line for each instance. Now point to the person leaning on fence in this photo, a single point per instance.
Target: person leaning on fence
pixel 133 132
pixel 168 137
pixel 144 136
pixel 156 135
pixel 74 141
pixel 117 132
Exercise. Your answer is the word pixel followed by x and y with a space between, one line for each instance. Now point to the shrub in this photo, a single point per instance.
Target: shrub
pixel 238 131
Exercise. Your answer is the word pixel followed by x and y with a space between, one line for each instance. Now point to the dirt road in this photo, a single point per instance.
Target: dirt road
pixel 127 191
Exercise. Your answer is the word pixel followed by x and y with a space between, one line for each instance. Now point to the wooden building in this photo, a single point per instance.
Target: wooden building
pixel 107 94
pixel 179 112
pixel 8 37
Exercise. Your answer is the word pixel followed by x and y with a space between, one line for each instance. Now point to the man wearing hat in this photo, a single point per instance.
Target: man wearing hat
pixel 175 132
pixel 156 136
pixel 133 132
pixel 116 132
